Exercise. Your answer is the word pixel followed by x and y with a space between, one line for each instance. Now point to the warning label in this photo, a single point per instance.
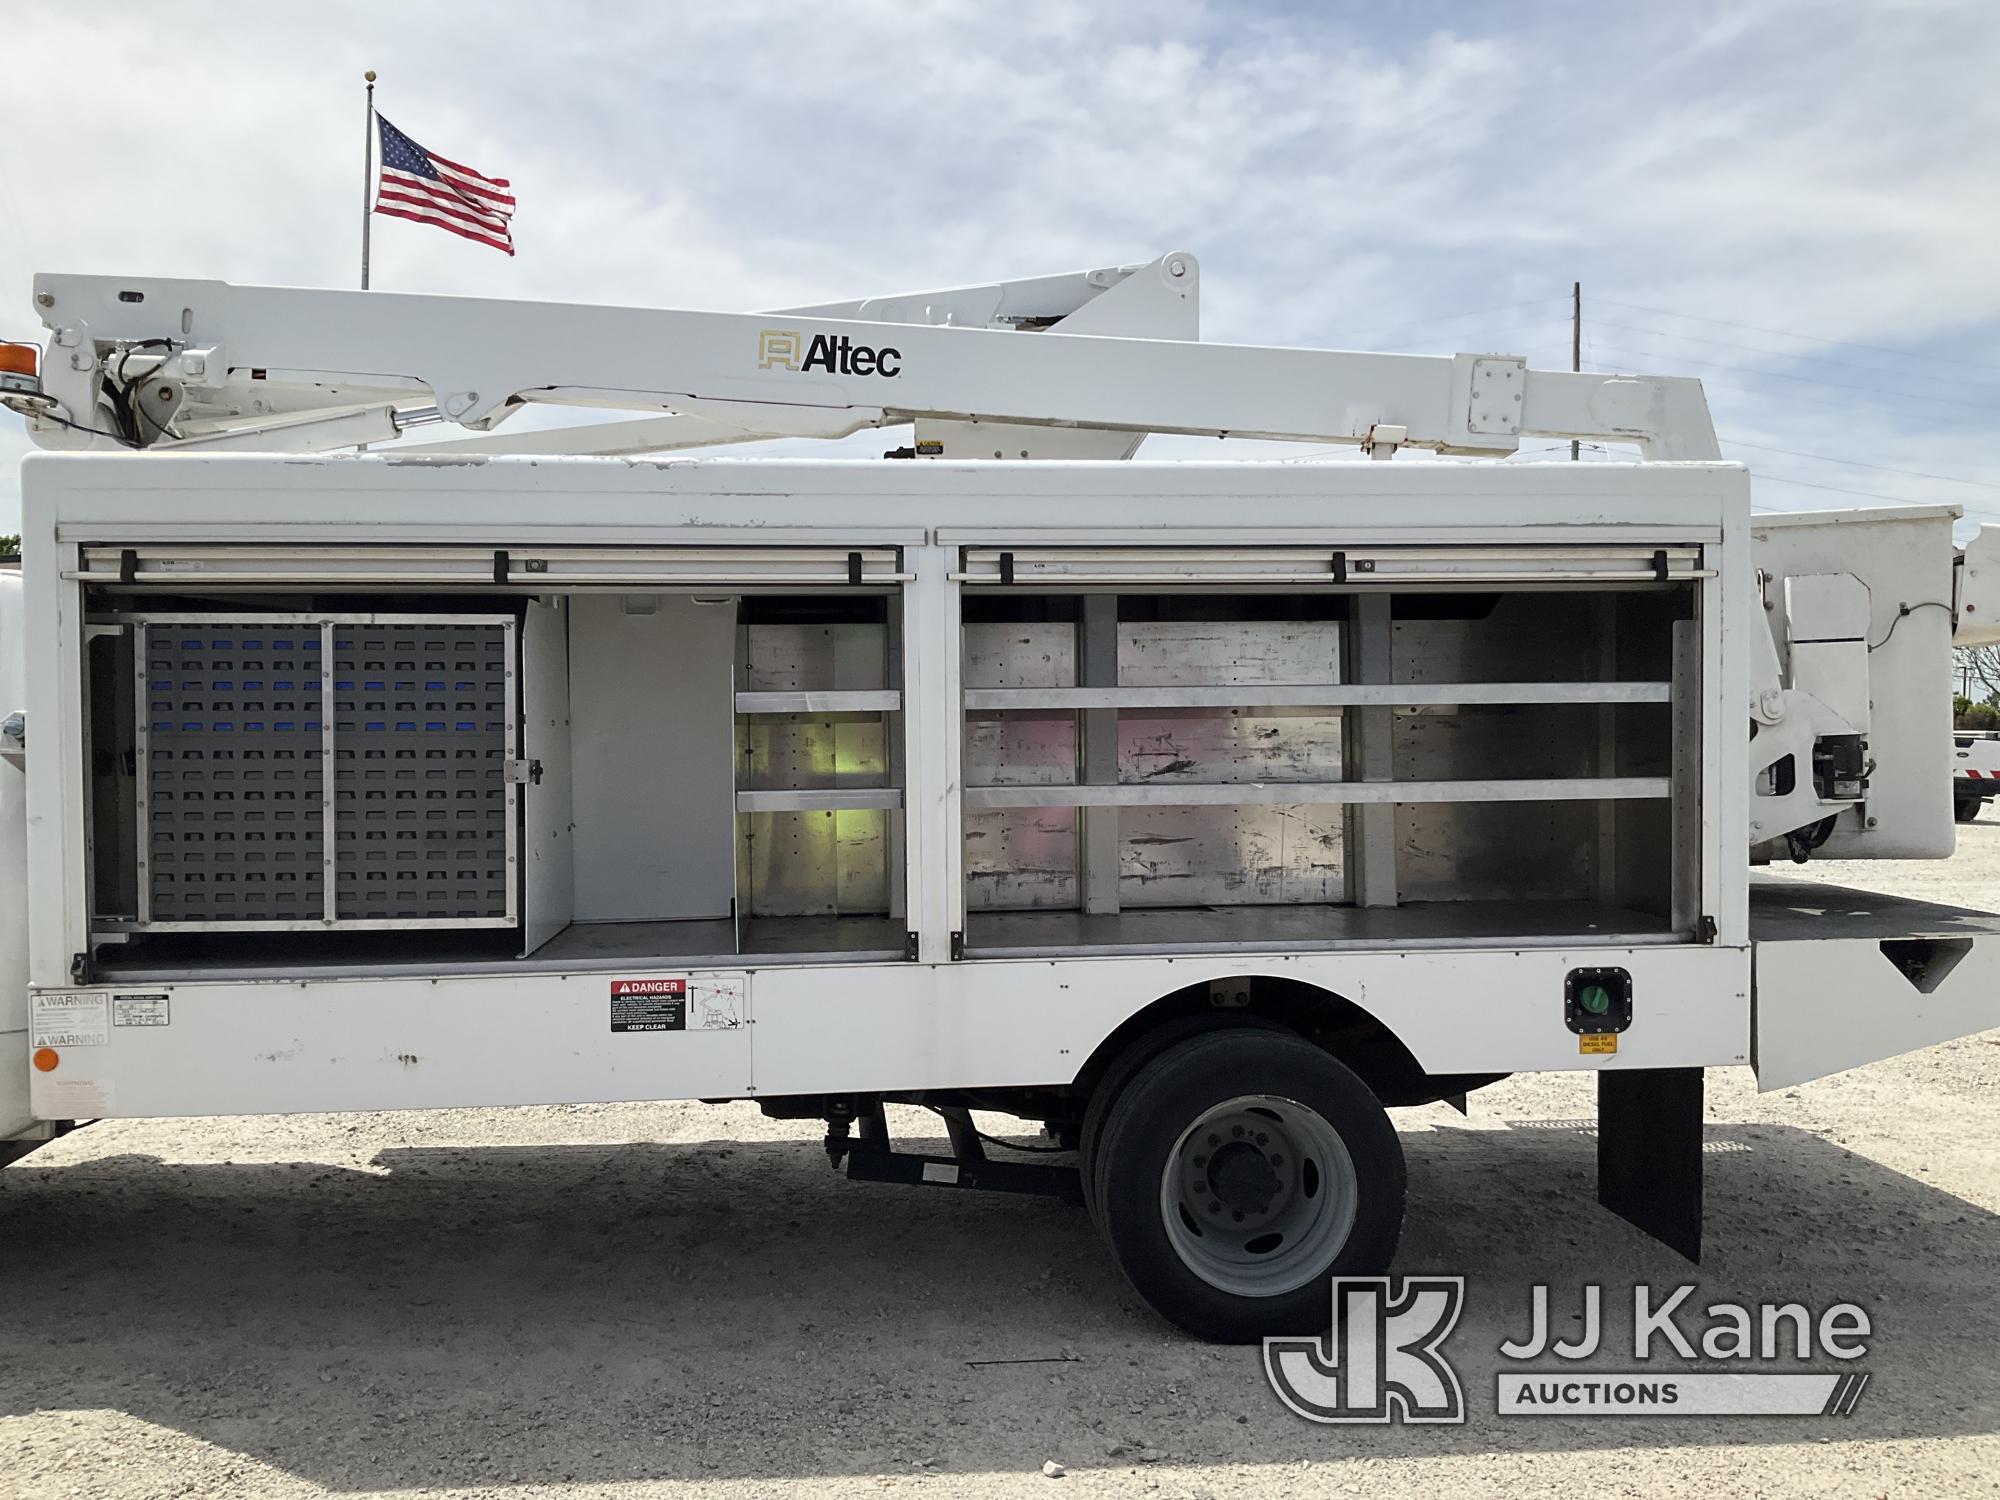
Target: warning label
pixel 716 1001
pixel 140 1010
pixel 1597 1043
pixel 681 1002
pixel 649 1004
pixel 70 1021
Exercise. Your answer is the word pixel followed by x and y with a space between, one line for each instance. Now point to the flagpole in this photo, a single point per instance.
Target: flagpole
pixel 367 176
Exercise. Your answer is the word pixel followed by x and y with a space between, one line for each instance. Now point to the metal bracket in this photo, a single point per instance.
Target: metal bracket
pixel 1384 439
pixel 1803 721
pixel 1497 388
pixel 524 773
pixel 870 1158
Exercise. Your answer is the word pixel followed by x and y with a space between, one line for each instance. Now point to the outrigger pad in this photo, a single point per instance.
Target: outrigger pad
pixel 1649 1152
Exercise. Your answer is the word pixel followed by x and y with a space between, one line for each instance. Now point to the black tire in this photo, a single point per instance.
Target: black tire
pixel 1965 809
pixel 1159 1106
pixel 1124 1067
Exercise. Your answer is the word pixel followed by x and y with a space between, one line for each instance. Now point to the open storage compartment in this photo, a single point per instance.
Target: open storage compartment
pixel 732 768
pixel 697 769
pixel 1469 748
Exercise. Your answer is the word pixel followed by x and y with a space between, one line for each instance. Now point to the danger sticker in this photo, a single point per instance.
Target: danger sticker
pixel 70 1021
pixel 649 1004
pixel 681 1002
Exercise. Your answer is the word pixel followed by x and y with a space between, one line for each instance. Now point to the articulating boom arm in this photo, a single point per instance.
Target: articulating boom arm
pixel 1049 367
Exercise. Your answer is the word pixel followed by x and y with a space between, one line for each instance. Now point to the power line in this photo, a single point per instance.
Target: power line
pixel 1773 479
pixel 1483 332
pixel 1868 494
pixel 1750 390
pixel 1813 338
pixel 1838 385
pixel 1708 380
pixel 1762 478
pixel 1853 463
pixel 1791 354
pixel 1483 312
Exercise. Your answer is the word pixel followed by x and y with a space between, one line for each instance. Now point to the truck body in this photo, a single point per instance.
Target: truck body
pixel 1066 788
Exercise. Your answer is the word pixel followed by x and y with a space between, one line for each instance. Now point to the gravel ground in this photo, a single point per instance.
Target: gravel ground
pixel 680 1300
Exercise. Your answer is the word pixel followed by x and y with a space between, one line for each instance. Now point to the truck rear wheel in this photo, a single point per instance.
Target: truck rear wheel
pixel 1965 809
pixel 1236 1172
pixel 1125 1067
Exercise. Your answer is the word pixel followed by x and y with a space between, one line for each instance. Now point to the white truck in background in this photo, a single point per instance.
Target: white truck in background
pixel 1200 813
pixel 1975 771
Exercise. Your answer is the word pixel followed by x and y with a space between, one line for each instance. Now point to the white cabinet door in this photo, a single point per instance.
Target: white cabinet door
pixel 548 848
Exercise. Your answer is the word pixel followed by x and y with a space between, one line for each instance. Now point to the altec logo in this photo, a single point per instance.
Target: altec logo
pixel 788 348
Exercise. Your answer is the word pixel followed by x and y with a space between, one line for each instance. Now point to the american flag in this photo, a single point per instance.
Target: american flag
pixel 417 184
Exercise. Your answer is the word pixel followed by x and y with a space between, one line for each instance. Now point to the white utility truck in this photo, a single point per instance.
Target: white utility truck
pixel 1975 771
pixel 1200 812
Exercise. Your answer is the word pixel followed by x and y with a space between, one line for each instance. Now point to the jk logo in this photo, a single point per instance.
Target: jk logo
pixel 1381 1362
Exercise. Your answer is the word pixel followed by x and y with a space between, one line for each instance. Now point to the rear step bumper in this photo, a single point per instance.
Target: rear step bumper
pixel 1844 977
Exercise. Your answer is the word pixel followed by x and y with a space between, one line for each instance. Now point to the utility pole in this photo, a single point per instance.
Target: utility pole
pixel 1575 348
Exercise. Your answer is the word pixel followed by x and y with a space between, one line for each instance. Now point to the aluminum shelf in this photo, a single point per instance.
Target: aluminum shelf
pixel 837 799
pixel 1322 793
pixel 1327 695
pixel 846 701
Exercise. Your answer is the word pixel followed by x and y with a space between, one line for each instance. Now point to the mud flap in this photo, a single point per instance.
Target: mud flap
pixel 1649 1152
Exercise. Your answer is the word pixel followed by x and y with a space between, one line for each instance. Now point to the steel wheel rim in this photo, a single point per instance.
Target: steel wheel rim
pixel 1258 1195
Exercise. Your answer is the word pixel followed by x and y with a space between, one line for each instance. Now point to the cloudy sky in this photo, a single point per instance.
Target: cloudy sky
pixel 1794 201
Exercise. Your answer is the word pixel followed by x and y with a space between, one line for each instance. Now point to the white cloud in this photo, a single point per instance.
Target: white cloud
pixel 1340 170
